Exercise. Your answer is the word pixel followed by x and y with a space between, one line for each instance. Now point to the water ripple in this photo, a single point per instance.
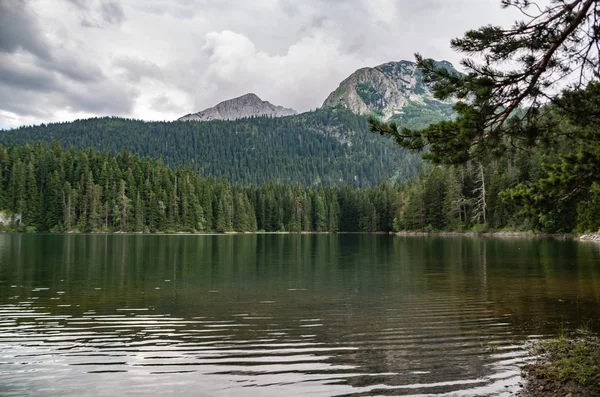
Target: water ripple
pixel 261 351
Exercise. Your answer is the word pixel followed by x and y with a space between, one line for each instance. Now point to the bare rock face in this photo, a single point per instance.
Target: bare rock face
pixel 385 90
pixel 248 105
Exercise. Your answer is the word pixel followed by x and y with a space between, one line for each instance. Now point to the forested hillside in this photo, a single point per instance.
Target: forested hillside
pixel 329 147
pixel 61 190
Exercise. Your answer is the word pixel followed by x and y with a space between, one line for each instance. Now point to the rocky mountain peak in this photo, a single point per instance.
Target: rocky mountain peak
pixel 248 105
pixel 384 90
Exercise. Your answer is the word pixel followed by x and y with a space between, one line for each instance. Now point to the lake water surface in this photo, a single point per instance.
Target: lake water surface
pixel 283 315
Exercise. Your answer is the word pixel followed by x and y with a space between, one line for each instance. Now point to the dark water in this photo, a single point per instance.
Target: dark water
pixel 282 315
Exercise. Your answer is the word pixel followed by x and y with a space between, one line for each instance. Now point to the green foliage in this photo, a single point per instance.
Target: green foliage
pixel 416 115
pixel 520 68
pixel 509 103
pixel 370 95
pixel 565 360
pixel 64 190
pixel 564 196
pixel 480 228
pixel 450 198
pixel 588 211
pixel 325 147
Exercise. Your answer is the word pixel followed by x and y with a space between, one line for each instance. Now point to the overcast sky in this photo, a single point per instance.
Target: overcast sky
pixel 160 59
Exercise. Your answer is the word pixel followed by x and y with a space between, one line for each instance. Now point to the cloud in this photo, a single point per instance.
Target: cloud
pixel 82 4
pixel 19 30
pixel 384 11
pixel 136 68
pixel 163 104
pixel 98 14
pixel 30 89
pixel 232 65
pixel 112 13
pixel 69 64
pixel 160 59
pixel 18 73
pixel 44 72
pixel 102 98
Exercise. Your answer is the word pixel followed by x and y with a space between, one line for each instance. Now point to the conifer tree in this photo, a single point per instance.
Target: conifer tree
pixel 501 100
pixel 68 207
pixel 32 212
pixel 220 222
pixel 138 211
pixel 52 200
pixel 320 215
pixel 507 100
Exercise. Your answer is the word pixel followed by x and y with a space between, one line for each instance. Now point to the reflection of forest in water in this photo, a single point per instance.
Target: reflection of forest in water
pixel 403 310
pixel 523 277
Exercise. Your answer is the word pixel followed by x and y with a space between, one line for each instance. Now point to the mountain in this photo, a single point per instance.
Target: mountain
pixel 243 141
pixel 393 90
pixel 249 105
pixel 329 147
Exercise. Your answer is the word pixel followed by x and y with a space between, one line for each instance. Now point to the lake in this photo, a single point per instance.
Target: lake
pixel 283 315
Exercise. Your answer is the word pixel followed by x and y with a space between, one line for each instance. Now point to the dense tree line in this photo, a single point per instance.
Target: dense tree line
pixel 52 189
pixel 328 147
pixel 495 194
pixel 507 104
pixel 59 190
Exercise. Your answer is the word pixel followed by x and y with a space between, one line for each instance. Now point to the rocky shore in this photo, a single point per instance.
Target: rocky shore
pixel 590 237
pixel 490 234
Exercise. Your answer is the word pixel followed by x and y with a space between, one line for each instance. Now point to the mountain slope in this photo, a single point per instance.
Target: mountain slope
pixel 329 146
pixel 386 90
pixel 249 105
pixel 324 147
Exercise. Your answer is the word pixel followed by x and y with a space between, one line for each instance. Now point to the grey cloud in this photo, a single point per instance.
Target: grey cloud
pixel 24 76
pixel 43 100
pixel 39 77
pixel 100 98
pixel 137 68
pixel 39 87
pixel 20 30
pixel 180 9
pixel 112 13
pixel 86 23
pixel 82 4
pixel 318 21
pixel 20 103
pixel 23 102
pixel 291 8
pixel 72 66
pixel 163 103
pixel 289 52
pixel 94 14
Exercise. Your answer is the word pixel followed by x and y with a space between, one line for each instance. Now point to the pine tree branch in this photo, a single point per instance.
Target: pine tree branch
pixel 543 64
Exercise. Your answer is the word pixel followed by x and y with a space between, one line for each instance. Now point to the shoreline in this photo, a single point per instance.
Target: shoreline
pixel 567 365
pixel 595 237
pixel 184 233
pixel 503 234
pixel 590 237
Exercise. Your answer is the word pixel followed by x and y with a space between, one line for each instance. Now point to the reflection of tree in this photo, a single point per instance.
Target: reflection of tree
pixel 389 304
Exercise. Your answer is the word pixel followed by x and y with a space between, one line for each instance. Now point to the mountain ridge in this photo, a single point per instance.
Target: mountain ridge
pixel 329 146
pixel 247 105
pixel 388 90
